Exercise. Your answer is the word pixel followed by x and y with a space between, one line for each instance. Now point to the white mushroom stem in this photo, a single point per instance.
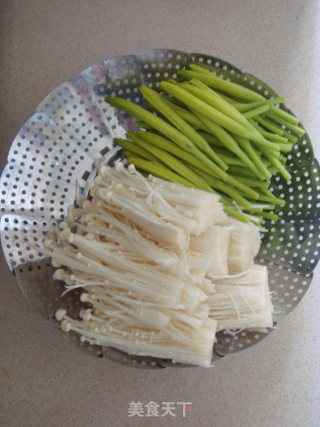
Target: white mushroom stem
pixel 152 259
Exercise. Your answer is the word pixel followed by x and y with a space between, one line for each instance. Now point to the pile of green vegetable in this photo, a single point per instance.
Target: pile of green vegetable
pixel 208 133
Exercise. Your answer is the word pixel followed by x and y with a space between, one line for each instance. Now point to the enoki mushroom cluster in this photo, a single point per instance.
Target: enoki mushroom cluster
pixel 161 266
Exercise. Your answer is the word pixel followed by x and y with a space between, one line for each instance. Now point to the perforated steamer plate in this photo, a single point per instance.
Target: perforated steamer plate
pixel 54 154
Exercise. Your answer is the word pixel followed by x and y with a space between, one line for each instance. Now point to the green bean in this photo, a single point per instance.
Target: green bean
pixel 230 160
pixel 235 90
pixel 209 137
pixel 268 124
pixel 164 144
pixel 290 137
pixel 295 129
pixel 158 169
pixel 196 66
pixel 271 199
pixel 155 99
pixel 273 170
pixel 203 108
pixel 256 112
pixel 255 136
pixel 216 82
pixel 192 118
pixel 170 161
pixel 284 115
pixel 246 146
pixel 266 215
pixel 241 171
pixel 204 127
pixel 154 121
pixel 285 148
pixel 211 97
pixel 251 182
pixel 227 189
pixel 135 149
pixel 237 214
pixel 228 142
pixel 165 129
pixel 247 106
pixel 286 175
pixel 271 136
pixel 186 115
pixel 143 125
pixel 243 187
pixel 227 98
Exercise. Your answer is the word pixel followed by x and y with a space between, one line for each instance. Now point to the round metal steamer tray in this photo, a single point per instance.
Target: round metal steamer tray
pixel 53 157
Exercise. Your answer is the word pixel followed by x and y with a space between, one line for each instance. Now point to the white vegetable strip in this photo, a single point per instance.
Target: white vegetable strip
pixel 153 226
pixel 190 203
pixel 243 301
pixel 127 248
pixel 131 239
pixel 244 246
pixel 198 264
pixel 152 259
pixel 213 244
pixel 254 276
